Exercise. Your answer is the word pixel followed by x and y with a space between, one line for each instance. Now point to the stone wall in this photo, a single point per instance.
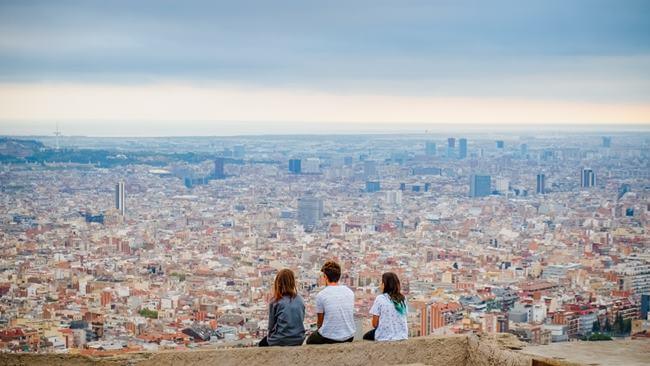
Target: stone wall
pixel 459 350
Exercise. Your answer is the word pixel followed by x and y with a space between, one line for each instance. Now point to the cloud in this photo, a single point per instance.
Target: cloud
pixel 582 51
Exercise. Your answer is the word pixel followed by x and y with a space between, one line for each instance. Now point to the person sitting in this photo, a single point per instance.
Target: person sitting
pixel 388 312
pixel 334 308
pixel 286 313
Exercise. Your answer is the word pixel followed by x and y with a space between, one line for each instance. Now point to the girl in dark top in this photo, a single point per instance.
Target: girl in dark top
pixel 286 313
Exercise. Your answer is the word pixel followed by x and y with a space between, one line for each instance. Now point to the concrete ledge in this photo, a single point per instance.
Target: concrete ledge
pixel 459 350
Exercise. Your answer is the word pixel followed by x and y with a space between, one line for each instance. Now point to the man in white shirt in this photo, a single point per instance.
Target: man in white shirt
pixel 334 308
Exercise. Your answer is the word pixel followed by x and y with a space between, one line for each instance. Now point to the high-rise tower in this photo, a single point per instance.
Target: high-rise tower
pixel 541 184
pixel 120 198
pixel 462 148
pixel 480 185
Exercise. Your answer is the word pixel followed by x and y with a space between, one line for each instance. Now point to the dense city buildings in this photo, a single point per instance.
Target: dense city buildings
pixel 191 265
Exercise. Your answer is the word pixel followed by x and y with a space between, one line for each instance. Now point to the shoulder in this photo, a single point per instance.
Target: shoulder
pixel 298 299
pixel 322 294
pixel 381 299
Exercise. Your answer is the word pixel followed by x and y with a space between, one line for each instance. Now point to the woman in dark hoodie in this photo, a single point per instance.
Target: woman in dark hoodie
pixel 286 313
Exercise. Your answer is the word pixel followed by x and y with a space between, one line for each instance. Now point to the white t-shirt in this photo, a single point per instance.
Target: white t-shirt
pixel 392 325
pixel 337 303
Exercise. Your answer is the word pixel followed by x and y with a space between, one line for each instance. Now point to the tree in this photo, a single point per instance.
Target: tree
pixel 152 314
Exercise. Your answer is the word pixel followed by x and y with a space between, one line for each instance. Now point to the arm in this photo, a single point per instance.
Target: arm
pixel 271 318
pixel 320 310
pixel 375 321
pixel 375 311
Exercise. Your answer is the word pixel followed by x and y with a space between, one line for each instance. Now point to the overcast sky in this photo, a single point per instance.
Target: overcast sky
pixel 135 63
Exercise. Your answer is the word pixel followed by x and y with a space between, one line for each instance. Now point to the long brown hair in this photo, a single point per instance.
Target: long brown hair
pixel 284 285
pixel 392 287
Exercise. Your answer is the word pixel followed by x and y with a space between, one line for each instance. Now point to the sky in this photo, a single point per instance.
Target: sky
pixel 204 67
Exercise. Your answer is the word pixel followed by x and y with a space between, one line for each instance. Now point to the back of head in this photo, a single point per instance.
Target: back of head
pixel 284 285
pixel 332 271
pixel 392 287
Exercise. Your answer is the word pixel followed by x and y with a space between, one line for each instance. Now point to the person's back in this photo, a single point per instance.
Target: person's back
pixel 286 318
pixel 337 304
pixel 286 313
pixel 334 309
pixel 389 312
pixel 392 324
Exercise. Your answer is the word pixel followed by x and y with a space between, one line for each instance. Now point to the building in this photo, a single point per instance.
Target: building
pixel 394 197
pixel 311 166
pixel 219 164
pixel 541 184
pixel 310 211
pixel 623 189
pixel 294 166
pixel 373 186
pixel 558 271
pixel 369 169
pixel 462 148
pixel 607 141
pixel 430 148
pixel 635 277
pixel 587 178
pixel 502 185
pixel 451 147
pixel 120 198
pixel 524 149
pixel 480 185
pixel 645 306
pixel 239 151
pixel 500 144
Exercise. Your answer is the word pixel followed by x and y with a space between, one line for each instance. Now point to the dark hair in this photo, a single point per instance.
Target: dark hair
pixel 332 271
pixel 392 287
pixel 284 285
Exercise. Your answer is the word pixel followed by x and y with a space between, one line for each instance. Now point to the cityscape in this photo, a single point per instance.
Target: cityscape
pixel 366 182
pixel 544 237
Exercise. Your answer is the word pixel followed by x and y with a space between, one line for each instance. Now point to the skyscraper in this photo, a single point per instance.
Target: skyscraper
pixel 480 185
pixel 373 186
pixel 587 178
pixel 622 190
pixel 218 168
pixel 451 147
pixel 500 144
pixel 524 149
pixel 541 184
pixel 607 141
pixel 120 198
pixel 430 148
pixel 310 211
pixel 369 168
pixel 462 148
pixel 294 166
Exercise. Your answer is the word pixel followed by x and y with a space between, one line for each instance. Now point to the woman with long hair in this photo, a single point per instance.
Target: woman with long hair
pixel 389 312
pixel 286 313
